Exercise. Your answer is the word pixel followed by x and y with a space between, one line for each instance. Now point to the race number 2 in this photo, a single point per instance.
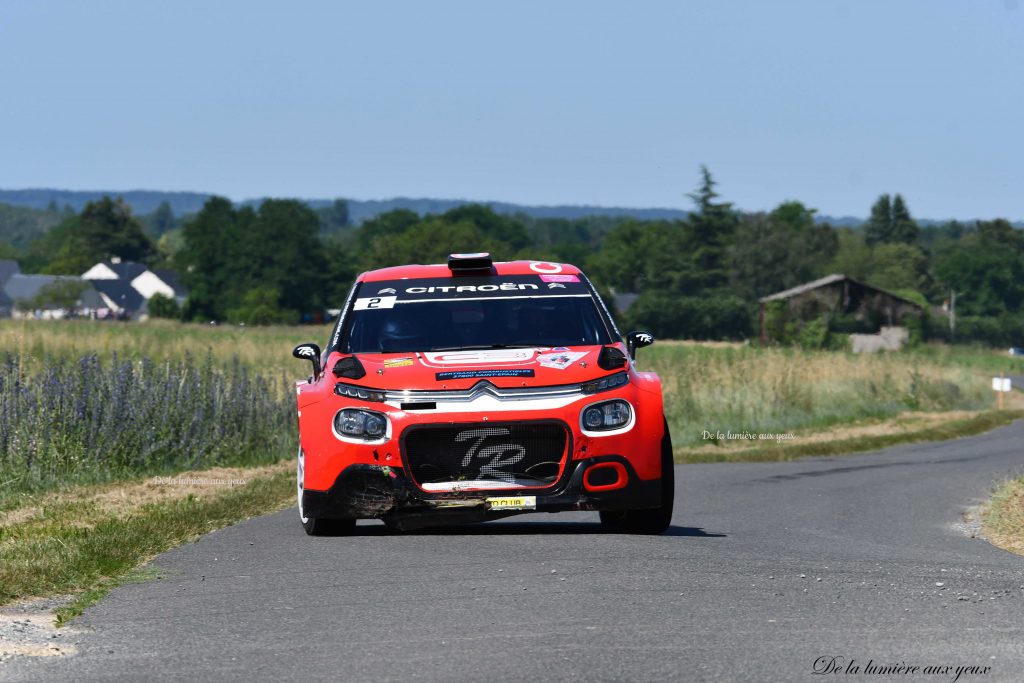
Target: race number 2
pixel 371 303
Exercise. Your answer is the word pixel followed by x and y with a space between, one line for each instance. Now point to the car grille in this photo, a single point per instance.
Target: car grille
pixel 516 454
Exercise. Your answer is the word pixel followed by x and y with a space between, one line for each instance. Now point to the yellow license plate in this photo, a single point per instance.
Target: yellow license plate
pixel 512 503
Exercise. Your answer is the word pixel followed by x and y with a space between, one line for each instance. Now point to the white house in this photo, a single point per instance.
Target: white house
pixel 147 282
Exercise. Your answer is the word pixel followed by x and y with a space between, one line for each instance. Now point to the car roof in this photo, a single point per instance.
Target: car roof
pixel 441 270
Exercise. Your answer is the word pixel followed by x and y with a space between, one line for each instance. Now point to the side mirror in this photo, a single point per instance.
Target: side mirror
pixel 637 340
pixel 310 352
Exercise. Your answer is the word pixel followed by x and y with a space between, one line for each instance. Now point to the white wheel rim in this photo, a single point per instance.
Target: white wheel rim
pixel 299 476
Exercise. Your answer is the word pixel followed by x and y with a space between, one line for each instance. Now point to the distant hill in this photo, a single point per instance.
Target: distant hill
pixel 146 201
pixel 143 201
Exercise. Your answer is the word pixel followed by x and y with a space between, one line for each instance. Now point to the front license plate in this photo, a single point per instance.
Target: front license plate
pixel 513 503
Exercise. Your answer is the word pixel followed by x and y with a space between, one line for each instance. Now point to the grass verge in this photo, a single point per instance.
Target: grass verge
pixel 1003 517
pixel 89 540
pixel 854 442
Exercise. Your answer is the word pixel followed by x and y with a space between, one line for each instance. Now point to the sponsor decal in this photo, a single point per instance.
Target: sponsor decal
pixel 479 357
pixel 513 503
pixel 374 303
pixel 473 374
pixel 397 362
pixel 508 287
pixel 560 360
pixel 504 287
pixel 494 454
pixel 545 267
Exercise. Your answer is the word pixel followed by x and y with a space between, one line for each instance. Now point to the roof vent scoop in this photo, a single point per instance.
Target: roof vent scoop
pixel 470 263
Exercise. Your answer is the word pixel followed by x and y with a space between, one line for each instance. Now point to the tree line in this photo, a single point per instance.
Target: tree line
pixel 695 277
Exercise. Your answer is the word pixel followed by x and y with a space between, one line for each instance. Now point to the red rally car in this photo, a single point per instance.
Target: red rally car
pixel 476 390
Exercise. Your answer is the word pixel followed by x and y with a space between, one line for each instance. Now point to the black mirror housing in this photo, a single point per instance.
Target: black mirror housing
pixel 310 352
pixel 638 340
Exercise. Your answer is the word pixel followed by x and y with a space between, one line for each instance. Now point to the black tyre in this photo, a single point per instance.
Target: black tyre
pixel 328 527
pixel 312 525
pixel 651 520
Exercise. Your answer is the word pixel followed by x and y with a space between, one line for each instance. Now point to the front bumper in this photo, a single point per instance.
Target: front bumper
pixel 374 491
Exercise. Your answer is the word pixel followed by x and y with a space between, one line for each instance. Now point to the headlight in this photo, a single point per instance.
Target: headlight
pixel 353 391
pixel 361 424
pixel 606 383
pixel 604 416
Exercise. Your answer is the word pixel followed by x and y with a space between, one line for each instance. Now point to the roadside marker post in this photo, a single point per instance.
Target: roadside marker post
pixel 1000 385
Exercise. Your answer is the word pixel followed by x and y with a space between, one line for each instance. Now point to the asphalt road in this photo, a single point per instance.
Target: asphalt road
pixel 767 568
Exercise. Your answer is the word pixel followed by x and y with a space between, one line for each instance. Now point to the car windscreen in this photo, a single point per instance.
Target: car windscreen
pixel 402 316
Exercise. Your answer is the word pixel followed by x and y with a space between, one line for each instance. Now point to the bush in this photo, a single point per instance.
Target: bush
pixel 161 306
pixel 260 307
pixel 709 317
pixel 1001 331
pixel 813 335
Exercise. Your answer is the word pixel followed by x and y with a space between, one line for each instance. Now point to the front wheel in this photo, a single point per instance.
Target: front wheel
pixel 312 525
pixel 652 520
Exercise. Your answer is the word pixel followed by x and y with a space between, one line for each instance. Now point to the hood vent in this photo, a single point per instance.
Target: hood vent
pixel 349 367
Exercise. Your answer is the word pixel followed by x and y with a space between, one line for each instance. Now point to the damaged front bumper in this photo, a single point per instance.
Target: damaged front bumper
pixel 601 483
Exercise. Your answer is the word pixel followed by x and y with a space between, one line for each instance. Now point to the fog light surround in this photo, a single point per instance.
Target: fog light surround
pixel 607 417
pixel 361 426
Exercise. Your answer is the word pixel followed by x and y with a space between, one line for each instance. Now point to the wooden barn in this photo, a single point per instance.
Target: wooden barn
pixel 841 295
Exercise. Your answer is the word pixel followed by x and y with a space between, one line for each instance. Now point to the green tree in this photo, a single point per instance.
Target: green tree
pixel 890 222
pixel 283 252
pixel 210 263
pixel 986 269
pixel 779 250
pixel 899 267
pixel 879 226
pixel 7 251
pixel 904 227
pixel 170 243
pixel 162 219
pixel 710 229
pixel 335 217
pixel 853 255
pixel 229 253
pixel 106 228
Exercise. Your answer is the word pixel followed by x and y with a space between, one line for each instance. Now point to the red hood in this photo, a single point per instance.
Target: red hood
pixel 504 368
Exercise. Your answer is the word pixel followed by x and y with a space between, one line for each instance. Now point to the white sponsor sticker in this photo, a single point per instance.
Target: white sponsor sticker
pixel 560 360
pixel 374 302
pixel 480 357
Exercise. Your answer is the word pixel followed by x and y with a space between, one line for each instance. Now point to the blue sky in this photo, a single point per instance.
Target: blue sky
pixel 608 103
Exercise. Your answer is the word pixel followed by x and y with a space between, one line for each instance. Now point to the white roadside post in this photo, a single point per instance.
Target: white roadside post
pixel 1000 385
